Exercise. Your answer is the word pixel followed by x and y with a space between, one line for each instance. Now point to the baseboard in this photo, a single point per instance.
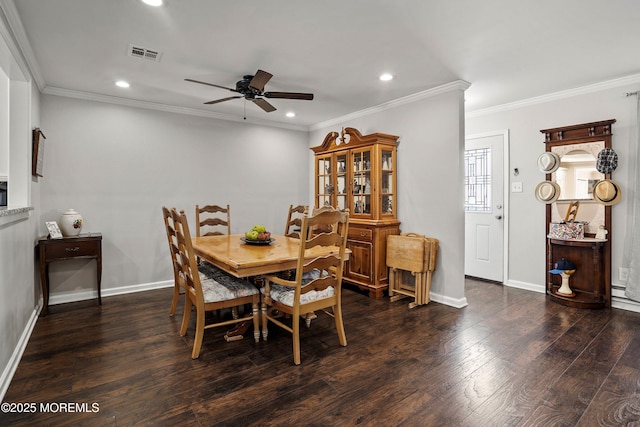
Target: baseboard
pixel 526 286
pixel 65 297
pixel 619 299
pixel 452 302
pixel 625 304
pixel 18 351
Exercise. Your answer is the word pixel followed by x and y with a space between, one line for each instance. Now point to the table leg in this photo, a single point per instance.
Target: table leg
pixel 99 268
pixel 44 283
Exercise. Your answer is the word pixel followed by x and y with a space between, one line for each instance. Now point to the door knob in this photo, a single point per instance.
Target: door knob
pixel 498 216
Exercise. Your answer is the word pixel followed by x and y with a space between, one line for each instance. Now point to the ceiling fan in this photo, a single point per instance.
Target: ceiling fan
pixel 252 89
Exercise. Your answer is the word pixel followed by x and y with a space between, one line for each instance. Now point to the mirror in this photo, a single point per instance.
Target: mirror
pixel 576 176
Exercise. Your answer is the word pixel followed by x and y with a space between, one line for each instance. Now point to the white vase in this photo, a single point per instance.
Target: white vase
pixel 70 223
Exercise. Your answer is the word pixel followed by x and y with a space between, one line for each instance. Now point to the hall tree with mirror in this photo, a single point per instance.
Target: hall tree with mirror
pixel 578 218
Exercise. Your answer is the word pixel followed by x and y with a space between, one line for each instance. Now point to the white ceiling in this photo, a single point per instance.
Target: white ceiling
pixel 336 49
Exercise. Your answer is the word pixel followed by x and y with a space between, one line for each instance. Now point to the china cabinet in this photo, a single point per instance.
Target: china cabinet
pixel 577 147
pixel 358 172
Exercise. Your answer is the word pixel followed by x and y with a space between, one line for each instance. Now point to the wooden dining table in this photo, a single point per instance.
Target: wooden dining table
pixel 231 254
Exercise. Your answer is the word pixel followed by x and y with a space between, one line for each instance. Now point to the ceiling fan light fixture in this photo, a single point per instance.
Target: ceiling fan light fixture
pixel 386 77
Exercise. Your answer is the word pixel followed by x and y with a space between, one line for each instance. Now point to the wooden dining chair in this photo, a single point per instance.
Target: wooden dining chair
pixel 173 249
pixel 294 221
pixel 317 285
pixel 208 288
pixel 210 218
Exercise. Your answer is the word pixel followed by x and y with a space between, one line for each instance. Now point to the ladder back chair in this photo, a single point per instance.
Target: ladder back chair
pixel 317 285
pixel 208 288
pixel 210 218
pixel 173 249
pixel 294 221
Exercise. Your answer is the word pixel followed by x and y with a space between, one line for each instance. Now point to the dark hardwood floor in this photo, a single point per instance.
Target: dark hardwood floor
pixel 511 358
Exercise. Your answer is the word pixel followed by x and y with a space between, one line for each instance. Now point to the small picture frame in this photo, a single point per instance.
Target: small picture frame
pixel 54 230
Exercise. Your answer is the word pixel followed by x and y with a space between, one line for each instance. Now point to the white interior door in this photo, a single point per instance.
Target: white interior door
pixel 485 209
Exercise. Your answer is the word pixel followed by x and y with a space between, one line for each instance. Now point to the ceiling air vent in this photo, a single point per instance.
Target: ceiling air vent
pixel 144 53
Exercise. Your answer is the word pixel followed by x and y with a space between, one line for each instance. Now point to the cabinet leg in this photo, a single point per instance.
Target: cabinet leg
pixel 376 293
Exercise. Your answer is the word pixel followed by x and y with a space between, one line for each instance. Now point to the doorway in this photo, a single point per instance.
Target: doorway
pixel 486 205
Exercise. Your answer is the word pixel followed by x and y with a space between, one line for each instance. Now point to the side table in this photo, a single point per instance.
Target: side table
pixel 85 245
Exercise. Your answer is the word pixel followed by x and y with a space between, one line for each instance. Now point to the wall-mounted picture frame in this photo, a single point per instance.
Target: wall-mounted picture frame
pixel 38 152
pixel 54 230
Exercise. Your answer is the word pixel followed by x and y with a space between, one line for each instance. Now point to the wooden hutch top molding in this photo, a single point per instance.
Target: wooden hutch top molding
pixel 586 131
pixel 356 140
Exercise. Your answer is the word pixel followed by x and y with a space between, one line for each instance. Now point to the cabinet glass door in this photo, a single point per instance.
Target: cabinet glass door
pixel 324 184
pixel 341 182
pixel 361 191
pixel 387 184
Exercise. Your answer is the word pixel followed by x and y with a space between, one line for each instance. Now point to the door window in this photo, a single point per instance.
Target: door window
pixel 477 180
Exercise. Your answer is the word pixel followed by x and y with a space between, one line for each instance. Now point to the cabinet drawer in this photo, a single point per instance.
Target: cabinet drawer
pixel 61 250
pixel 363 234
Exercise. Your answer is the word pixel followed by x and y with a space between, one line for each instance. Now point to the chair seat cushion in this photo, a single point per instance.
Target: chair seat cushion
pixel 218 285
pixel 284 294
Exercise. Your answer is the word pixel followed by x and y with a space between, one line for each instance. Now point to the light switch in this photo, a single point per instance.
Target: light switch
pixel 516 187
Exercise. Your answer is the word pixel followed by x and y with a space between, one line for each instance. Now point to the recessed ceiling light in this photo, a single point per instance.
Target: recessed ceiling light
pixel 122 83
pixel 291 114
pixel 153 2
pixel 386 77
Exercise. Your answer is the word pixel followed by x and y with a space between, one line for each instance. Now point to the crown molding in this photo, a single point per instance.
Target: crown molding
pixel 460 85
pixel 609 84
pixel 87 96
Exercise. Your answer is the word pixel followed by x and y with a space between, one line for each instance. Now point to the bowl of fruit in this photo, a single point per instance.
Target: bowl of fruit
pixel 258 235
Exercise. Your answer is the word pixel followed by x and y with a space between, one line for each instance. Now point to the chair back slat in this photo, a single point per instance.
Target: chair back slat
pixel 213 222
pixel 323 239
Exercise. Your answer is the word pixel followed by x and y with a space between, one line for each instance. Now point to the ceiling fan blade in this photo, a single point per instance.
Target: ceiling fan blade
pixel 259 80
pixel 222 100
pixel 264 105
pixel 210 84
pixel 289 95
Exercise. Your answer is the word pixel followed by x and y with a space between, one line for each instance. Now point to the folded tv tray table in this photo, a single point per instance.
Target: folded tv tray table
pixel 411 253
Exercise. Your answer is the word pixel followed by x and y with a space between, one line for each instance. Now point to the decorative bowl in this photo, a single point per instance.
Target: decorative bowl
pixel 257 242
